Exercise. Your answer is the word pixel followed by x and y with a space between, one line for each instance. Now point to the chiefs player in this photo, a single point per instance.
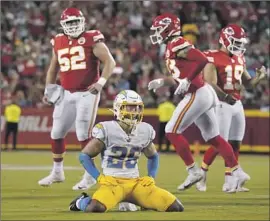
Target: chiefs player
pixel 185 63
pixel 225 72
pixel 76 55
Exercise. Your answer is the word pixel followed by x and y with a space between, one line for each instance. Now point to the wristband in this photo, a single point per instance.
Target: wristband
pixel 102 81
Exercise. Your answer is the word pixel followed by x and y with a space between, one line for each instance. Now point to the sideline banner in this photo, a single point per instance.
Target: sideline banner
pixel 35 126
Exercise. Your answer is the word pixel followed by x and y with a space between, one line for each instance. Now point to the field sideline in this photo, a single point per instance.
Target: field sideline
pixel 23 199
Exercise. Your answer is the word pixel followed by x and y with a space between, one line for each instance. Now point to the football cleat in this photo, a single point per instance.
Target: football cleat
pixel 242 189
pixel 238 179
pixel 124 207
pixel 195 175
pixel 86 182
pixel 54 177
pixel 73 204
pixel 201 185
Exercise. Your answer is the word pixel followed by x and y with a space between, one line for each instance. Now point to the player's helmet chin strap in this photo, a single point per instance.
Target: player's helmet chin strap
pixel 128 118
pixel 73 30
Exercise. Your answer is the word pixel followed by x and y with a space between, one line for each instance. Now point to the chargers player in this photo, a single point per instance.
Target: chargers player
pixel 76 55
pixel 226 72
pixel 185 63
pixel 120 143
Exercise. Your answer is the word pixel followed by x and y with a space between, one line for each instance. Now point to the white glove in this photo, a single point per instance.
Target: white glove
pixel 54 93
pixel 261 73
pixel 124 207
pixel 182 87
pixel 155 84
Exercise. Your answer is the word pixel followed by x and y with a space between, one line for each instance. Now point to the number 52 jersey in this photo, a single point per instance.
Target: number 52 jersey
pixel 79 68
pixel 121 153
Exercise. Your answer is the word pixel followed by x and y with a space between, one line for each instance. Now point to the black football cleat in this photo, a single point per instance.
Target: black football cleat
pixel 72 205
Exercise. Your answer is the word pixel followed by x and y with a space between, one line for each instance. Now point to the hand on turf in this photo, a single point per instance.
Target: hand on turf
pixel 107 180
pixel 147 181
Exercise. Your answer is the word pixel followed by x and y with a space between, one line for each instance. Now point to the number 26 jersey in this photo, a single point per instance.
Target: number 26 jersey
pixel 79 68
pixel 229 71
pixel 121 153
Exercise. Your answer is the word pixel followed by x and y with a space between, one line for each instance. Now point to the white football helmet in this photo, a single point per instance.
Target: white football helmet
pixel 128 107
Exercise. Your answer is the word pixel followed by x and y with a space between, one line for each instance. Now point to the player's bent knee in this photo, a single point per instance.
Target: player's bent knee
pixel 96 207
pixel 176 206
pixel 57 134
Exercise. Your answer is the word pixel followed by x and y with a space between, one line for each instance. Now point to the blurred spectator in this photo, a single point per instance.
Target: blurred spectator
pixel 165 111
pixel 27 28
pixel 12 116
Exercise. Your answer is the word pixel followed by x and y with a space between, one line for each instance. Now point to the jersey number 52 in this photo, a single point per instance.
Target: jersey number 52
pixel 76 60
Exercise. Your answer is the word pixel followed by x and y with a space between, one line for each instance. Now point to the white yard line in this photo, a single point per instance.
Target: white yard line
pixel 34 168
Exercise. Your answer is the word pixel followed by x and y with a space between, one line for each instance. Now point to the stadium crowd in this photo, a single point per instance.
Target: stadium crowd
pixel 27 28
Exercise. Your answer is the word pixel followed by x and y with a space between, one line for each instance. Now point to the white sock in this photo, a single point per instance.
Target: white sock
pixel 58 166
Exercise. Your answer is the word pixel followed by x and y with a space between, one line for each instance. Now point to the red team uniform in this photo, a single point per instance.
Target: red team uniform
pixel 229 72
pixel 193 108
pixel 185 63
pixel 79 69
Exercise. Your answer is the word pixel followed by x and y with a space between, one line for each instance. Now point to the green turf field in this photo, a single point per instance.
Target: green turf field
pixel 23 199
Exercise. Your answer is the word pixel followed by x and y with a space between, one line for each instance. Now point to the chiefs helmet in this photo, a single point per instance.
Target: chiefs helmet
pixel 165 25
pixel 233 38
pixel 72 22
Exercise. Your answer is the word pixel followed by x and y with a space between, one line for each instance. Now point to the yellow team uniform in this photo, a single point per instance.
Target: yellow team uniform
pixel 119 164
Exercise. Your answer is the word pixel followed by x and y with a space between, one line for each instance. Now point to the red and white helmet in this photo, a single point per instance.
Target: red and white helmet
pixel 165 25
pixel 234 38
pixel 72 22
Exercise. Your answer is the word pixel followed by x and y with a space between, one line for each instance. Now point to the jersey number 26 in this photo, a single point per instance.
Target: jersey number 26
pixel 76 61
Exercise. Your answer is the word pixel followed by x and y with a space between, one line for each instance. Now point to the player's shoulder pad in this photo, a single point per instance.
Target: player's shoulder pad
pixel 98 131
pixel 96 35
pixel 55 38
pixel 148 130
pixel 179 44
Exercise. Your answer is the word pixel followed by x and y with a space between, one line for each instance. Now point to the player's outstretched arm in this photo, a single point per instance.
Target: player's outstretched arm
pixel 210 76
pixel 92 149
pixel 249 81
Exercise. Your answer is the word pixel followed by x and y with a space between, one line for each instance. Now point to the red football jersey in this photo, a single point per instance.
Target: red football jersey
pixel 229 71
pixel 179 67
pixel 79 68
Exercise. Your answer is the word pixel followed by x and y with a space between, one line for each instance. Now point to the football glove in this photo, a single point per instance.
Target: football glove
pixel 155 84
pixel 54 93
pixel 229 99
pixel 261 73
pixel 107 180
pixel 182 87
pixel 147 181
